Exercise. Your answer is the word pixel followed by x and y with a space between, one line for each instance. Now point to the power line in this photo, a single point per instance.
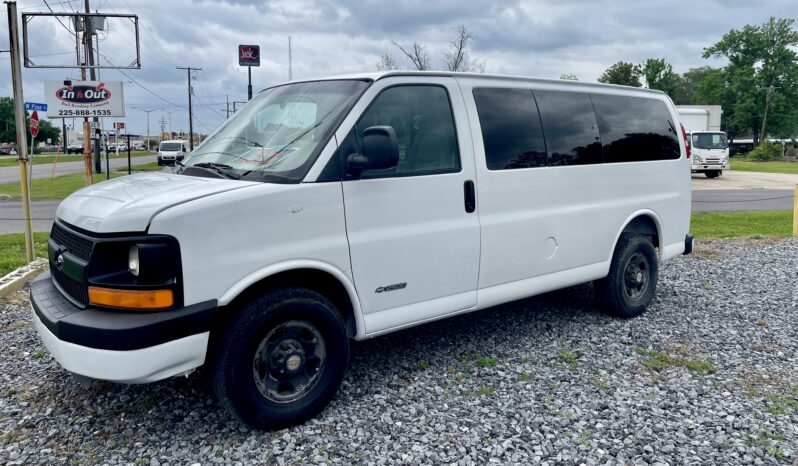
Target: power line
pixel 59 19
pixel 141 85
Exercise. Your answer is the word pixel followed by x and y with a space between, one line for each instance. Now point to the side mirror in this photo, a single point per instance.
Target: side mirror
pixel 380 150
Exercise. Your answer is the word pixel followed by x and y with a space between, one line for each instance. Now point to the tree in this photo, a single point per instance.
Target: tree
pixel 8 126
pixel 659 75
pixel 626 74
pixel 457 58
pixel 569 77
pixel 762 75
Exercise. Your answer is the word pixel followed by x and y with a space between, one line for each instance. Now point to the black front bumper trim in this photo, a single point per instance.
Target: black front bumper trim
pixel 115 330
pixel 688 244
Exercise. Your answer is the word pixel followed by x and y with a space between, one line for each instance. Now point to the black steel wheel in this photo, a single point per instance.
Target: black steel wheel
pixel 631 284
pixel 281 358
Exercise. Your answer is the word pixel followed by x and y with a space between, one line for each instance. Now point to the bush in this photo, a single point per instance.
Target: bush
pixel 37 150
pixel 766 150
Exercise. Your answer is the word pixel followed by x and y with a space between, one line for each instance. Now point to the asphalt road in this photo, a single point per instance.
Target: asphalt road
pixel 43 212
pixel 11 174
pixel 728 200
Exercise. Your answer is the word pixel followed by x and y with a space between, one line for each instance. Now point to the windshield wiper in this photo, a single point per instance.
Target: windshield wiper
pixel 220 168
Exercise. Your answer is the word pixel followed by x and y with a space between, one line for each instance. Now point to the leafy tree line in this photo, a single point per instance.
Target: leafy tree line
pixel 8 126
pixel 758 88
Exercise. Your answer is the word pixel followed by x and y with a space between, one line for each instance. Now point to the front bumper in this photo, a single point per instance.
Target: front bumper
pixel 709 166
pixel 120 346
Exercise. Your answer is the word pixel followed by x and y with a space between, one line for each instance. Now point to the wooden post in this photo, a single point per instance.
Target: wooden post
pixel 795 212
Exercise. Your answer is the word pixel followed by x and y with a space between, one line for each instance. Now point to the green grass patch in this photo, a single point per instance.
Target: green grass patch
pixel 737 224
pixel 11 160
pixel 53 189
pixel 486 362
pixel 764 167
pixel 12 250
pixel 145 167
pixel 486 391
pixel 657 361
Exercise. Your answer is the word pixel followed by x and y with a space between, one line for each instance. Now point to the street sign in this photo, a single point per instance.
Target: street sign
pixel 68 99
pixel 29 106
pixel 249 55
pixel 34 124
pixel 119 125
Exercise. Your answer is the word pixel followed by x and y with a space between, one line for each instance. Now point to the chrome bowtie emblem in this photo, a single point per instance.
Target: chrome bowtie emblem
pixel 59 261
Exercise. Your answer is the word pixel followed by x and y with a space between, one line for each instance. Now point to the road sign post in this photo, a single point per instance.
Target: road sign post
pixel 249 56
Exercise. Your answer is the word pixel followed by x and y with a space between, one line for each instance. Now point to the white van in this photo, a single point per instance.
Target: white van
pixel 172 151
pixel 350 207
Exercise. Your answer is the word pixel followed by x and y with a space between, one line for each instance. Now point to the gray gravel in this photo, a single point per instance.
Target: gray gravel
pixel 709 375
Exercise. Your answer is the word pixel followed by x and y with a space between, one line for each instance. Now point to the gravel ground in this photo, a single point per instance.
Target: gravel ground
pixel 709 375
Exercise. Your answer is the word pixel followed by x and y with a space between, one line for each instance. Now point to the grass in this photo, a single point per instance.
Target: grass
pixel 486 362
pixel 657 361
pixel 12 250
pixel 737 224
pixel 57 188
pixel 12 161
pixel 764 167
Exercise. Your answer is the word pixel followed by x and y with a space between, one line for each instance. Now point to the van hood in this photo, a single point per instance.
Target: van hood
pixel 129 203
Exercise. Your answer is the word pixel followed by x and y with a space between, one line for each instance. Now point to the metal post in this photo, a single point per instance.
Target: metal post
pixel 249 86
pixel 64 135
pixel 129 171
pixel 19 120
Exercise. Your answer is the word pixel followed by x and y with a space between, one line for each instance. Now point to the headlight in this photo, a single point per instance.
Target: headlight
pixel 133 260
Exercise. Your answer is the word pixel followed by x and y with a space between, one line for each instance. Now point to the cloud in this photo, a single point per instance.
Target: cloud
pixel 525 37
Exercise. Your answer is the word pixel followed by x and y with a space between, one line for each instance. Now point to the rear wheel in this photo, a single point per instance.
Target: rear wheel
pixel 630 286
pixel 712 173
pixel 281 359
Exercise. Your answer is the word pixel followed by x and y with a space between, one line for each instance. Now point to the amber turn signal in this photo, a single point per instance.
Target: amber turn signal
pixel 131 299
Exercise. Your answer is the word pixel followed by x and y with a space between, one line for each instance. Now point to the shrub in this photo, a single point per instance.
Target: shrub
pixel 766 150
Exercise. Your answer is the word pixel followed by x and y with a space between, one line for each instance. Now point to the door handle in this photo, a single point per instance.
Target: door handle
pixel 469 196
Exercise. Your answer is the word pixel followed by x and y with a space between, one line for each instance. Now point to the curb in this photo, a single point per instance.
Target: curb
pixel 20 277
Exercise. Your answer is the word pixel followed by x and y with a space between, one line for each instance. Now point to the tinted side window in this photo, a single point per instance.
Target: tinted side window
pixel 511 131
pixel 635 129
pixel 569 124
pixel 422 118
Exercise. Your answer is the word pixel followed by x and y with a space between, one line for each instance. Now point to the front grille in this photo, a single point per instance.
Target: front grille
pixel 79 247
pixel 75 289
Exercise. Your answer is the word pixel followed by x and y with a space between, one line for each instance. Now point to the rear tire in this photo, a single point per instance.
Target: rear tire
pixel 712 173
pixel 632 282
pixel 281 358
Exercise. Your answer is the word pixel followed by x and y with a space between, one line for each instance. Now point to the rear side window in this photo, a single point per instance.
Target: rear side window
pixel 635 129
pixel 569 123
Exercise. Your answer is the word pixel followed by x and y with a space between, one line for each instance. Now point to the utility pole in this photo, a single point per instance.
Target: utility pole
pixel 163 128
pixel 19 120
pixel 227 108
pixel 148 124
pixel 765 116
pixel 190 115
pixel 88 31
pixel 290 72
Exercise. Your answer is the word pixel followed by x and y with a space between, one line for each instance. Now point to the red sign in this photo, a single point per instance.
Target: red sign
pixel 34 124
pixel 119 125
pixel 249 55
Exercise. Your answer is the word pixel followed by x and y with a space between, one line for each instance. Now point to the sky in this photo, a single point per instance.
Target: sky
pixel 543 38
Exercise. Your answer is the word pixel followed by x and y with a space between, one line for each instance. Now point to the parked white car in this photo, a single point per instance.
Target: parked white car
pixel 351 207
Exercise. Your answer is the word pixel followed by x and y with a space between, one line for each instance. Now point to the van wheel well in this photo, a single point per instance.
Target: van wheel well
pixel 312 279
pixel 643 225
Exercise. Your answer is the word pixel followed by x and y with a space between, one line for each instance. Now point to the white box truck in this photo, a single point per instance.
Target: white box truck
pixel 709 146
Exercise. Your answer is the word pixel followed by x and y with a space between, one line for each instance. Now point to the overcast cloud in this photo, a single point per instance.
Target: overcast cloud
pixel 544 38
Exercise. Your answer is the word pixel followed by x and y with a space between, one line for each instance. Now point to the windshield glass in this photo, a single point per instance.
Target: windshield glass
pixel 710 141
pixel 280 132
pixel 171 146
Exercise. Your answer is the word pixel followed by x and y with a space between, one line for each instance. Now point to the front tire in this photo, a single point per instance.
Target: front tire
pixel 281 359
pixel 712 173
pixel 632 282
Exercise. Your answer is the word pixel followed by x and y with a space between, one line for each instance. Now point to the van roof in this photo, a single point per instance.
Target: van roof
pixel 173 140
pixel 376 76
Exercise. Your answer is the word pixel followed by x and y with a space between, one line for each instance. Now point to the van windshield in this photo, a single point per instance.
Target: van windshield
pixel 171 146
pixel 710 141
pixel 279 133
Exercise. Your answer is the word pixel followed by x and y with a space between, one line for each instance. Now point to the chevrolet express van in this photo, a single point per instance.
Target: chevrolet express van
pixel 346 208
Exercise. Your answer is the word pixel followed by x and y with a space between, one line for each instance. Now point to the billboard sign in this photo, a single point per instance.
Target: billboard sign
pixel 68 99
pixel 249 55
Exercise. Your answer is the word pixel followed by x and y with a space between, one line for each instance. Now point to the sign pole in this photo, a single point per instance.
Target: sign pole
pixel 128 154
pixel 249 87
pixel 19 120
